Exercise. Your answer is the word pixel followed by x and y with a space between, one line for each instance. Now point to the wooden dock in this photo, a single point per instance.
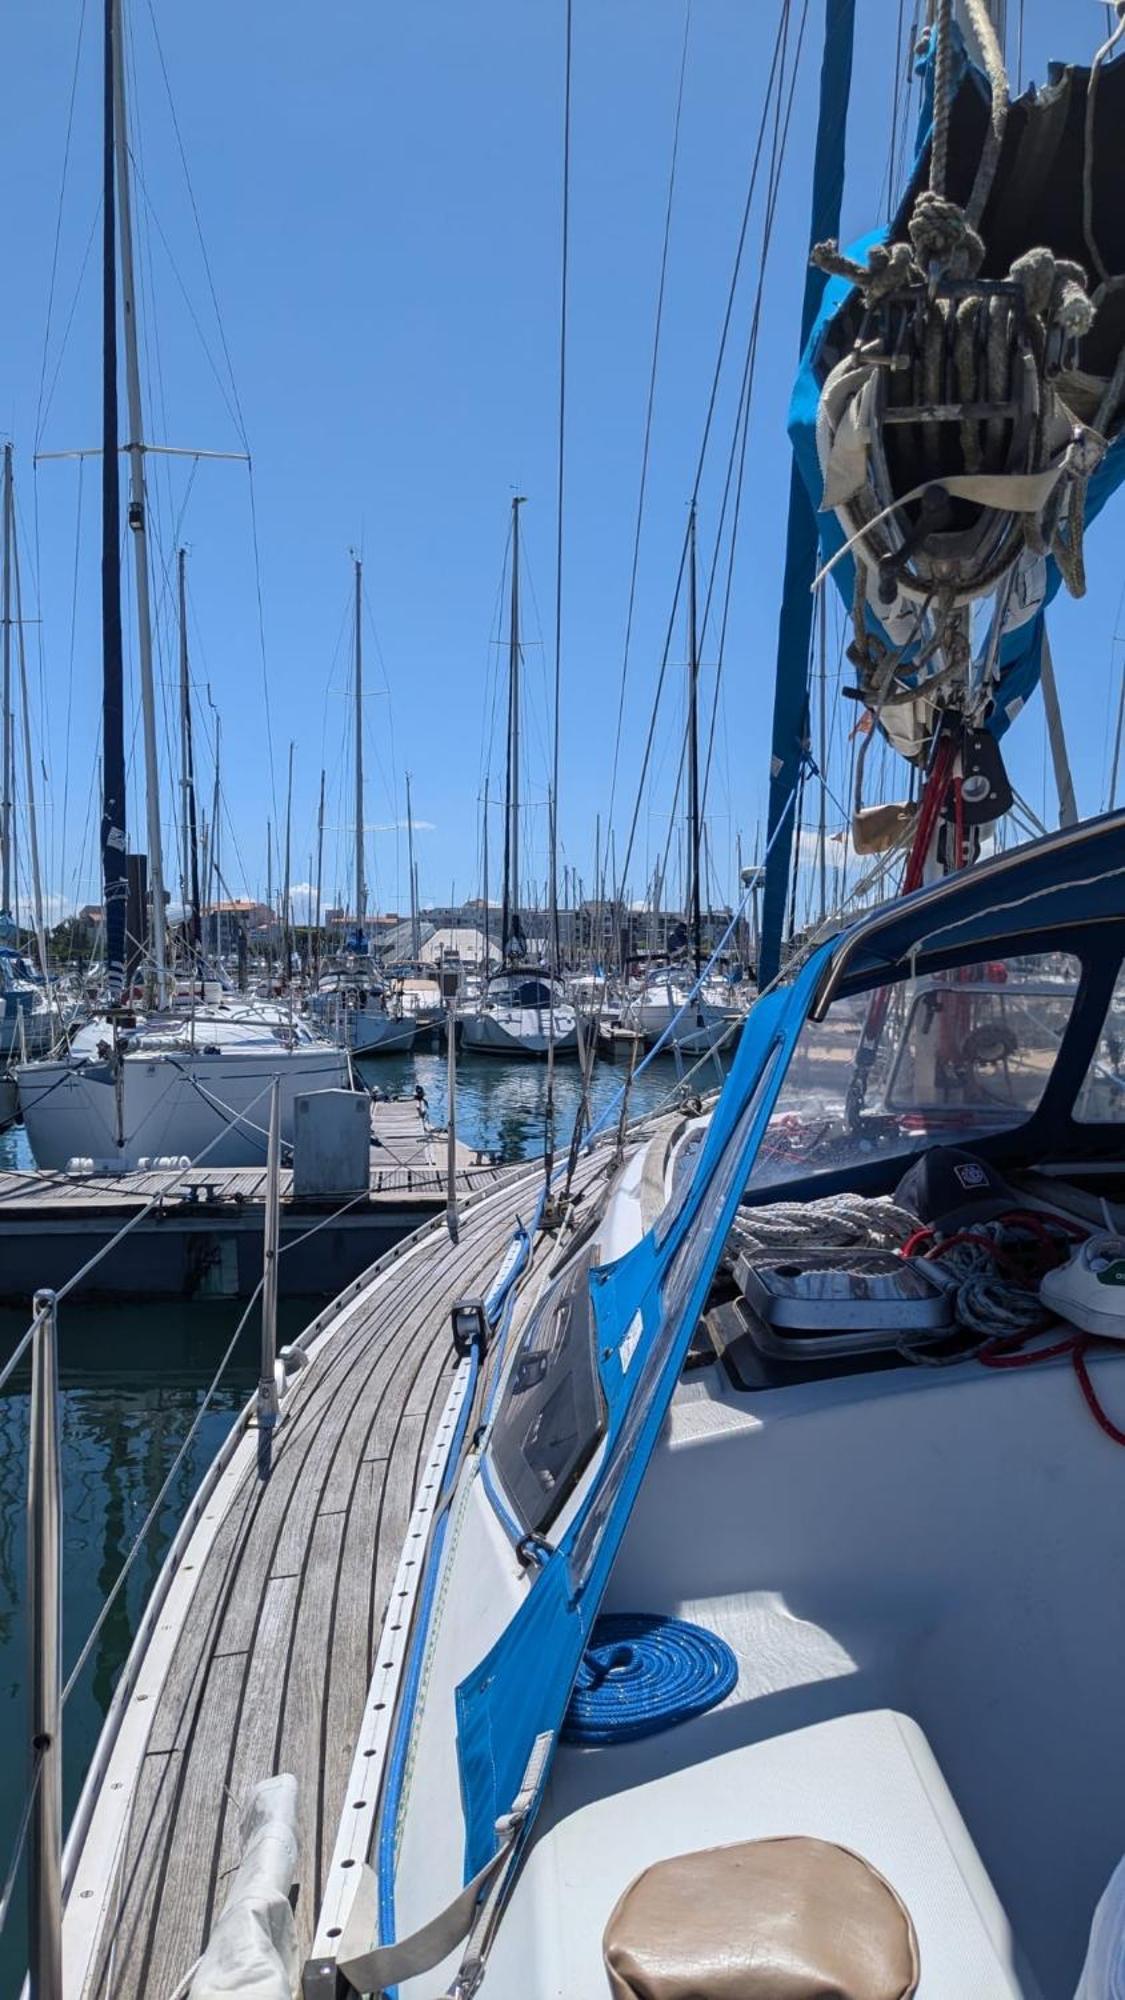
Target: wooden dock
pixel 260 1655
pixel 203 1237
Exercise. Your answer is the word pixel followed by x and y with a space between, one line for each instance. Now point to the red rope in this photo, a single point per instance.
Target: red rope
pixel 1047 1253
pixel 1079 1345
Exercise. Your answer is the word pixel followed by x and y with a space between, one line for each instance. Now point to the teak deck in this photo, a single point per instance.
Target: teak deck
pixel 270 1667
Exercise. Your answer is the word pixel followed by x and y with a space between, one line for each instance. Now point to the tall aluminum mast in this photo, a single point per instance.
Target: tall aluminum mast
pixel 360 884
pixel 135 451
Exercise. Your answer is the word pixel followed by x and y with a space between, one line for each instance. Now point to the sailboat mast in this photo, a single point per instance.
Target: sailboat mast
pixel 187 753
pixel 693 753
pixel 6 751
pixel 415 946
pixel 511 907
pixel 319 869
pixel 216 880
pixel 287 892
pixel 114 877
pixel 484 864
pixel 135 450
pixel 29 777
pixel 360 885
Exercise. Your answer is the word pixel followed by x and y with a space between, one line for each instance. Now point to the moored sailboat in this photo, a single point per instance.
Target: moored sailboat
pixel 522 1010
pixel 171 1083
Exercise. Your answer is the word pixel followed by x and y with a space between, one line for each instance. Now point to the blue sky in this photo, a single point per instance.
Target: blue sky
pixel 379 190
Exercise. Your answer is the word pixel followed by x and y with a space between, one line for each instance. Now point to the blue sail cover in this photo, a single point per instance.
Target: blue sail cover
pixel 790 709
pixel 646 1307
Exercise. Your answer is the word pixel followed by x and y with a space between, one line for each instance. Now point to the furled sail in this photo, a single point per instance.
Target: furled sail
pixel 959 414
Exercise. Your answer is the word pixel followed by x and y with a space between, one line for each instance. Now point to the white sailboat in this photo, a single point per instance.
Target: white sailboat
pixel 350 1003
pixel 173 1086
pixel 351 998
pixel 522 1010
pixel 672 1008
pixel 668 1008
pixel 174 1083
pixel 662 1732
pixel 767 1642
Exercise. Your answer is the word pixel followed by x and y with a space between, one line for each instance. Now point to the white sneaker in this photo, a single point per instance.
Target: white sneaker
pixel 1089 1291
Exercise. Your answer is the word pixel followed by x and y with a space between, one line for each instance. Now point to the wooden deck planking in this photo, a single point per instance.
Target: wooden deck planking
pixel 273 1666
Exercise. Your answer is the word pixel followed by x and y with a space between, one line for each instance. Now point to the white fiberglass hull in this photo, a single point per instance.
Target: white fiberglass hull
pixel 378 1034
pixel 697 1029
pixel 520 1031
pixel 163 1105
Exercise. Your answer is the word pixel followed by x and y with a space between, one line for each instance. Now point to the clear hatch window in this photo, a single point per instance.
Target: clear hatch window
pixel 552 1411
pixel 949 1056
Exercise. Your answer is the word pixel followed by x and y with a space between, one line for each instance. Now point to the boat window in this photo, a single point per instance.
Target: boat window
pixel 552 1412
pixel 531 993
pixel 951 1055
pixel 1101 1100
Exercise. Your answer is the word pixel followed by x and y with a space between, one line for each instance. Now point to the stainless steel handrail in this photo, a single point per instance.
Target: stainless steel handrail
pixel 268 1399
pixel 44 1536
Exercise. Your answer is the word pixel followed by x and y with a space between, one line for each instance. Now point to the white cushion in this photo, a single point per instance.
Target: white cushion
pixel 869 1782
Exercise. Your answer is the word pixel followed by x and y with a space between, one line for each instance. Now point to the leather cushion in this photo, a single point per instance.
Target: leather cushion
pixel 793 1919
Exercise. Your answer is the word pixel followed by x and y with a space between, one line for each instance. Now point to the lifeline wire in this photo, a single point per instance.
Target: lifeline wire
pixel 619 887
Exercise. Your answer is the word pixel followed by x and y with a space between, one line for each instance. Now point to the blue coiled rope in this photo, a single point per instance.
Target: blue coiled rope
pixel 640 1674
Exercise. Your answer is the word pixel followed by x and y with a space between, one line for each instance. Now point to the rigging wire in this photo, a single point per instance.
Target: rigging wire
pixel 649 409
pixel 221 328
pixel 779 147
pixel 553 806
pixel 782 32
pixel 40 415
pixel 564 299
pixel 236 411
pixel 898 109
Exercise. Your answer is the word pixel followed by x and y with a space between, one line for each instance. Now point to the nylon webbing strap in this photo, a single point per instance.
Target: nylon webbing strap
pixel 371 1969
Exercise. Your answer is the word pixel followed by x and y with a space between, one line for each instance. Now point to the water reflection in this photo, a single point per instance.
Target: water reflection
pixel 502 1106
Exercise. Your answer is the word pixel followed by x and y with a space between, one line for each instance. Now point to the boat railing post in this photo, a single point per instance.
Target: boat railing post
pixel 44 1517
pixel 268 1406
pixel 449 985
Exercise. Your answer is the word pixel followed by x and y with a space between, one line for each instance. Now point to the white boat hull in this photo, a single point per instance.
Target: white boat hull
pixel 170 1106
pixel 523 1031
pixel 698 1028
pixel 378 1034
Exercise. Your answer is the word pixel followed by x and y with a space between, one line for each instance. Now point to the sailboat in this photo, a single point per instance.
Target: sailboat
pixel 350 998
pixel 673 1007
pixel 523 1009
pixel 169 1084
pixel 767 1640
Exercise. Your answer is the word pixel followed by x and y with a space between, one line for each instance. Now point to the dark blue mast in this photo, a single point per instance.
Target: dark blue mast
pixel 114 872
pixel 794 635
